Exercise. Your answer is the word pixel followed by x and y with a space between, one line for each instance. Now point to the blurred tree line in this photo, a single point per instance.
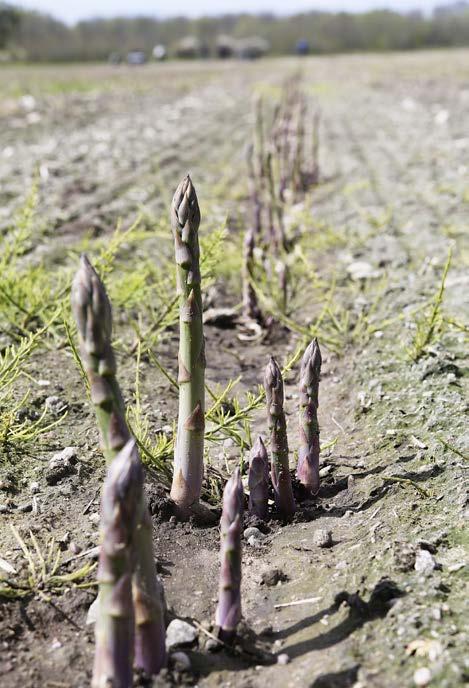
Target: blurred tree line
pixel 39 37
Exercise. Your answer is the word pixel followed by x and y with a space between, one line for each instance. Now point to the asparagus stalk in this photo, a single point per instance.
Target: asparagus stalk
pixel 277 230
pixel 189 448
pixel 308 454
pixel 228 612
pixel 280 471
pixel 149 603
pixel 120 513
pixel 298 170
pixel 283 279
pixel 315 152
pixel 258 480
pixel 251 310
pixel 92 311
pixel 254 193
pixel 93 314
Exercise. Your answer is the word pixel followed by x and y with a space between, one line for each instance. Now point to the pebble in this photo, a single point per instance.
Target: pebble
pixel 94 518
pixel 424 562
pixel 56 406
pixel 322 538
pixel 211 645
pixel 34 487
pixel 253 532
pixel 254 542
pixel 92 614
pixel 422 676
pixel 4 509
pixel 283 658
pixel 179 633
pixel 180 661
pixel 61 465
pixel 359 270
pixel 74 548
pixel 325 471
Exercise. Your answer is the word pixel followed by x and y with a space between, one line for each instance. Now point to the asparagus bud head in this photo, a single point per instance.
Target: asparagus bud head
pixel 120 514
pixel 280 469
pixel 185 220
pixel 273 384
pixel 308 452
pixel 258 480
pixel 92 311
pixel 228 612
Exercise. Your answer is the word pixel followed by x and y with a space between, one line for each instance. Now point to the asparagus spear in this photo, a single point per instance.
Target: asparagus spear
pixel 255 193
pixel 308 453
pixel 149 603
pixel 120 513
pixel 251 310
pixel 258 480
pixel 93 315
pixel 280 471
pixel 278 232
pixel 189 448
pixel 228 612
pixel 92 311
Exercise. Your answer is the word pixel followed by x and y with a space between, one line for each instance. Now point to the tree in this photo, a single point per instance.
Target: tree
pixel 9 22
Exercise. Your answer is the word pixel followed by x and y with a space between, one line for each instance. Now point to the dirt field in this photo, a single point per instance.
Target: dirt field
pixel 387 596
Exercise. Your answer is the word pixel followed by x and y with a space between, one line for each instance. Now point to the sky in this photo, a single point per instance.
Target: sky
pixel 72 10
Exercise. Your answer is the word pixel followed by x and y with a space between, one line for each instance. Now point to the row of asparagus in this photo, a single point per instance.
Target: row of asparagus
pixel 282 164
pixel 307 471
pixel 130 626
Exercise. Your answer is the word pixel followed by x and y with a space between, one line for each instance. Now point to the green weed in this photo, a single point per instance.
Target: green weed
pixel 429 326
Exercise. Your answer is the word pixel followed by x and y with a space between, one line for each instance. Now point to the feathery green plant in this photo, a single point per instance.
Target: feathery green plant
pixel 43 567
pixel 431 323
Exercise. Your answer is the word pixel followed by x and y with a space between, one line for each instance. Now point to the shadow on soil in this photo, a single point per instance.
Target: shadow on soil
pixel 340 679
pixel 360 612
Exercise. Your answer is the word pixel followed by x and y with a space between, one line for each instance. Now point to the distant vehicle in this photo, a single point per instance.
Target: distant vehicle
pixel 252 48
pixel 302 47
pixel 225 47
pixel 159 52
pixel 190 48
pixel 136 57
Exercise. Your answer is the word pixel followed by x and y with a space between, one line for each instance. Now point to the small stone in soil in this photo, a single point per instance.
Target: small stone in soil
pixel 323 538
pixel 272 577
pixel 212 645
pixel 283 658
pixel 180 633
pixel 424 562
pixel 56 406
pixel 74 548
pixel 325 471
pixel 34 487
pixel 422 676
pixel 254 542
pixel 92 614
pixel 253 533
pixel 61 465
